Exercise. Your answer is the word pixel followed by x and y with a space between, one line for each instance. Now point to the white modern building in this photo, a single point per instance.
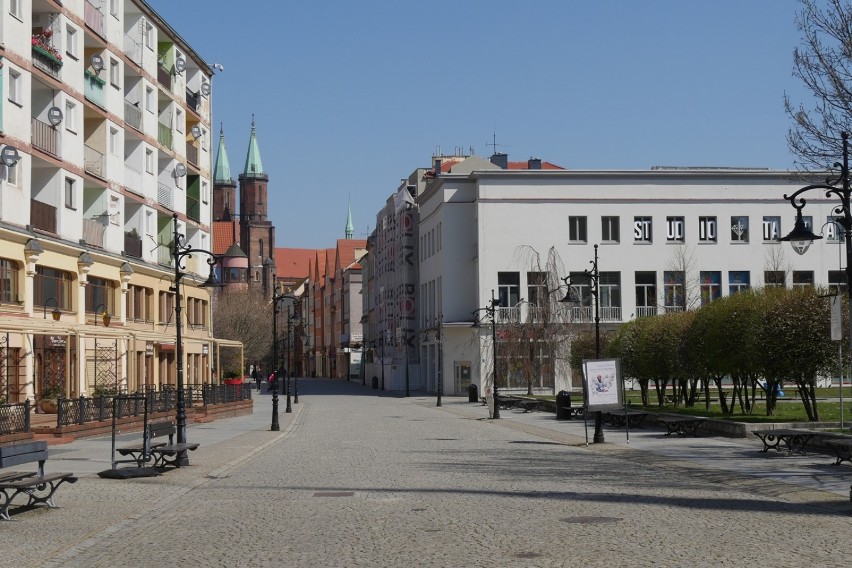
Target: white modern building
pixel 105 120
pixel 668 239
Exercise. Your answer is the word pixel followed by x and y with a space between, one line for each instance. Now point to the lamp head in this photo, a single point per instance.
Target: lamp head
pixel 801 237
pixel 56 314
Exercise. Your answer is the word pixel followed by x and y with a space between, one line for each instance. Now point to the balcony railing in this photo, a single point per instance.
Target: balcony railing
pixel 94 18
pixel 45 137
pixel 192 100
pixel 193 208
pixel 165 196
pixel 93 161
pixel 508 315
pixel 164 254
pixel 42 216
pixel 93 232
pixel 133 50
pixel 133 115
pixel 93 87
pixel 164 76
pixel 192 154
pixel 164 135
pixel 610 313
pixel 132 179
pixel 46 61
pixel 133 245
pixel 646 311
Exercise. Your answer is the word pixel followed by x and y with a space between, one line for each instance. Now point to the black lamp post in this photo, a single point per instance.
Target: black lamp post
pixel 440 338
pixel 801 237
pixel 383 359
pixel 276 299
pixel 594 276
pixel 491 314
pixel 180 250
pixel 290 318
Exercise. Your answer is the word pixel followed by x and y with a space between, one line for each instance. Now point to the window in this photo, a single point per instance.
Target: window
pixel 537 288
pixel 167 307
pixel 138 303
pixel 837 281
pixel 15 81
pixel 802 278
pixel 577 229
pixel 707 229
pixel 149 99
pixel 773 278
pixel 609 287
pixel 646 293
pixel 149 223
pixel 100 294
pixel 8 281
pixel 114 72
pixel 52 283
pixel 204 192
pixel 711 286
pixel 71 41
pixel 260 248
pixel 113 141
pixel 739 229
pixel 70 197
pixel 771 228
pixel 149 160
pixel 581 293
pixel 204 139
pixel 834 229
pixel 509 286
pixel 609 230
pixel 15 8
pixel 179 120
pixel 642 230
pixel 12 175
pixel 70 118
pixel 674 291
pixel 113 8
pixel 738 281
pixel 149 35
pixel 674 229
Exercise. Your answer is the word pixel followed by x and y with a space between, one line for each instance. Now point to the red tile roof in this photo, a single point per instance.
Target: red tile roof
pixel 346 251
pixel 526 166
pixel 293 263
pixel 225 233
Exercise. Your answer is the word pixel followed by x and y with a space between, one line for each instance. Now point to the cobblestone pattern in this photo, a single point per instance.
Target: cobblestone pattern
pixel 430 487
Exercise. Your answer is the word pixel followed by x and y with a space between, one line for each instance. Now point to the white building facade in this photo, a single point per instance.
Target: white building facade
pixel 668 240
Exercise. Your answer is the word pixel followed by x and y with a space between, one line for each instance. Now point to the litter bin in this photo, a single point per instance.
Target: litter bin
pixel 472 394
pixel 375 382
pixel 563 403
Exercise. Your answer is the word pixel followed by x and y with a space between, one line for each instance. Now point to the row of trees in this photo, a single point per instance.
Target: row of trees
pixel 758 339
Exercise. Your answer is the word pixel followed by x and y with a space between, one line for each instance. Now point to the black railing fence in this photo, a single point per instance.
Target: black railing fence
pixel 15 417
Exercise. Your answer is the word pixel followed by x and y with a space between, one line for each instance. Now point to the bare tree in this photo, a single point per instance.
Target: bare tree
pixel 776 266
pixel 246 317
pixel 682 264
pixel 824 64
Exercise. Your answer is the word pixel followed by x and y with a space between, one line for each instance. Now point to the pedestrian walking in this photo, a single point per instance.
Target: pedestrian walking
pixel 272 381
pixel 257 375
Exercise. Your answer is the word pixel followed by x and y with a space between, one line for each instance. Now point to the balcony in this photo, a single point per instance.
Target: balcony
pixel 133 244
pixel 133 50
pixel 44 59
pixel 508 315
pixel 165 196
pixel 45 137
pixel 133 115
pixel 193 208
pixel 610 313
pixel 93 161
pixel 93 88
pixel 164 77
pixel 164 254
pixel 94 18
pixel 132 179
pixel 193 100
pixel 646 311
pixel 164 135
pixel 192 154
pixel 43 216
pixel 93 233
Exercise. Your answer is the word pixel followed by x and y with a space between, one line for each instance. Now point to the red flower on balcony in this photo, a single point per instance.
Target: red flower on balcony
pixel 41 42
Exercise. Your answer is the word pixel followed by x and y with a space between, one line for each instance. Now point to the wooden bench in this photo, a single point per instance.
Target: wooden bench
pixel 795 441
pixel 38 486
pixel 141 453
pixel 840 444
pixel 164 454
pixel 578 411
pixel 618 418
pixel 681 425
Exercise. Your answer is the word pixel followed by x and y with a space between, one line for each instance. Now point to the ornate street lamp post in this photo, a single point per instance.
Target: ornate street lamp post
pixel 276 299
pixel 491 314
pixel 594 276
pixel 181 250
pixel 440 338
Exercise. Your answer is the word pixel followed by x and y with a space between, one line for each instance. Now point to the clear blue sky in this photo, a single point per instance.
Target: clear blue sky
pixel 350 97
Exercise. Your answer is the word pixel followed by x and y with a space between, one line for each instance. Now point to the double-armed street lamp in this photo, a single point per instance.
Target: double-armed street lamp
pixel 490 312
pixel 276 299
pixel 594 276
pixel 291 317
pixel 181 250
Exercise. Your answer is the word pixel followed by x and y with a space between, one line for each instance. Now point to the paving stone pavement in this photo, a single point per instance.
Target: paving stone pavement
pixel 359 479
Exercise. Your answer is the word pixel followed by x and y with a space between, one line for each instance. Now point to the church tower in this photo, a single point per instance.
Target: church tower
pixel 224 186
pixel 350 228
pixel 257 235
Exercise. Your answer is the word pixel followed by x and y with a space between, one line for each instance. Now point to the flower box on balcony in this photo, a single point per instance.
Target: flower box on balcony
pixel 45 52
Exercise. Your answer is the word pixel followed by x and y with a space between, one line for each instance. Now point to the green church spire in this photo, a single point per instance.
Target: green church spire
pixel 350 228
pixel 222 170
pixel 253 167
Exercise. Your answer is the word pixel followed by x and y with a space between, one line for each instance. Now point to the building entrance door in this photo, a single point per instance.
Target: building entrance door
pixel 461 375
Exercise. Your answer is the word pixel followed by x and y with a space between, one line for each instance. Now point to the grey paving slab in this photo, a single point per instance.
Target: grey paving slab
pixel 360 479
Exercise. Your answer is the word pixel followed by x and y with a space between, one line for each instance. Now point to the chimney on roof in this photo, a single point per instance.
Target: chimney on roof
pixel 500 160
pixel 534 164
pixel 436 165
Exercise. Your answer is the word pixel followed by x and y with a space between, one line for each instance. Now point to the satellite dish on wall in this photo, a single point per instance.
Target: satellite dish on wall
pixel 97 63
pixel 9 156
pixel 54 116
pixel 180 170
pixel 205 89
pixel 180 64
pixel 195 131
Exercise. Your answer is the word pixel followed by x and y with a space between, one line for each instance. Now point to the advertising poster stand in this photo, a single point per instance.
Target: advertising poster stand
pixel 603 389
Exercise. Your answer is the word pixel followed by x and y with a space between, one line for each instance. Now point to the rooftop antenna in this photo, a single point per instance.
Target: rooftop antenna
pixel 493 142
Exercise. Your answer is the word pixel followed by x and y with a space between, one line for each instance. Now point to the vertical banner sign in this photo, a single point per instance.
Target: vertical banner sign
pixel 602 384
pixel 836 319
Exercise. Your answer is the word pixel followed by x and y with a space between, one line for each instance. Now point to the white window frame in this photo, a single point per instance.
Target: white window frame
pixel 149 160
pixel 673 222
pixel 70 118
pixel 149 98
pixel 179 120
pixel 578 229
pixel 149 35
pixel 114 73
pixel 205 190
pixel 113 8
pixel 16 80
pixel 114 209
pixel 15 9
pixel 70 197
pixel 113 140
pixel 71 41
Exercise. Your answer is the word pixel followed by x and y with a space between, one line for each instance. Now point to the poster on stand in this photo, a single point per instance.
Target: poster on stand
pixel 602 383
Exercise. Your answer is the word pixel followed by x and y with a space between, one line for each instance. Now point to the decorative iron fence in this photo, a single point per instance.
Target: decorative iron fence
pixel 14 417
